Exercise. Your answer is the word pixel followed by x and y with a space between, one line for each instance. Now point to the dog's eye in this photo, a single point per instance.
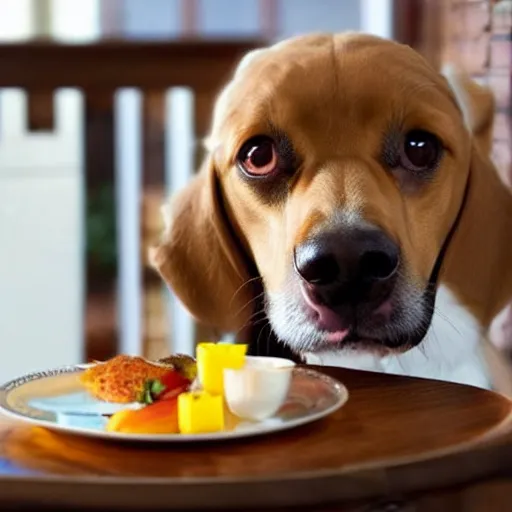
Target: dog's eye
pixel 420 151
pixel 258 156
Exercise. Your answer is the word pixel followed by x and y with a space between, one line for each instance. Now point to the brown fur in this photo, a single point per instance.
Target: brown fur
pixel 336 96
pixel 478 266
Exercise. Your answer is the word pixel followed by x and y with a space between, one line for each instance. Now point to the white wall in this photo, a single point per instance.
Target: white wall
pixel 161 18
pixel 41 205
pixel 152 19
pixel 302 16
pixel 75 21
pixel 220 17
pixel 377 17
pixel 42 244
pixel 15 20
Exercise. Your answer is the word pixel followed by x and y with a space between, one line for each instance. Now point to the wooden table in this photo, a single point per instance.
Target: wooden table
pixel 399 444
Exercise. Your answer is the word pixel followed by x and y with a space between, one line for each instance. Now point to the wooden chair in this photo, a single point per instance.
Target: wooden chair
pixel 99 71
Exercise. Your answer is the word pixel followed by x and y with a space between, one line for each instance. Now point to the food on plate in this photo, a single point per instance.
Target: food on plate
pixel 157 418
pixel 125 379
pixel 199 412
pixel 168 386
pixel 183 364
pixel 121 379
pixel 179 395
pixel 212 359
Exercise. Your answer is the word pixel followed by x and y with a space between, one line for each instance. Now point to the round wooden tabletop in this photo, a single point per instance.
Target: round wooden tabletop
pixel 395 435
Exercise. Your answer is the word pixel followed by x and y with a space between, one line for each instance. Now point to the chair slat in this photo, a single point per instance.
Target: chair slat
pixel 101 232
pixel 154 327
pixel 40 111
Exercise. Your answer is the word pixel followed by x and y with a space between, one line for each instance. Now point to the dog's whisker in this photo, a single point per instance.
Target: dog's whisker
pixel 448 321
pixel 434 309
pixel 242 286
pixel 260 333
pixel 400 362
pixel 249 303
pixel 251 321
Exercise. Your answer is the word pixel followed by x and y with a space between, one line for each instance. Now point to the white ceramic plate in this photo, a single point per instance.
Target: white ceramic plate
pixel 55 399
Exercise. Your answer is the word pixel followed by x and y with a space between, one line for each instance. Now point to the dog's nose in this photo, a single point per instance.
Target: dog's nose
pixel 351 265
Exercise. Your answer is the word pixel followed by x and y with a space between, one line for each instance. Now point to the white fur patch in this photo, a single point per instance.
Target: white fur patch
pixel 451 350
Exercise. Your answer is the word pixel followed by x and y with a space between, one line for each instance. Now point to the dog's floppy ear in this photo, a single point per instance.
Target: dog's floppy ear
pixel 199 257
pixel 477 104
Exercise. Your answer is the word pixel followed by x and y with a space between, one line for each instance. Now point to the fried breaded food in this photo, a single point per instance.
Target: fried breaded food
pixel 122 378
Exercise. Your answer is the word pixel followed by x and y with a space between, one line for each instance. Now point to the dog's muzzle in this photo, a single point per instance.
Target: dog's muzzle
pixel 346 270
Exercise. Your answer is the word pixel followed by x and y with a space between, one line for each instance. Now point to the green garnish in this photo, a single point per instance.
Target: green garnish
pixel 156 387
pixel 152 388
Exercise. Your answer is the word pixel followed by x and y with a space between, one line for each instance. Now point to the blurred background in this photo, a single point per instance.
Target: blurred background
pixel 103 105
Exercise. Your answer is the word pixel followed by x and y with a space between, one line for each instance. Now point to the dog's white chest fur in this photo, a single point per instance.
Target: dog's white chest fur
pixel 450 351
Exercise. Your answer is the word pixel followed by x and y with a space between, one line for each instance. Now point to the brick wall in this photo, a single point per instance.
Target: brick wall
pixel 499 79
pixel 478 38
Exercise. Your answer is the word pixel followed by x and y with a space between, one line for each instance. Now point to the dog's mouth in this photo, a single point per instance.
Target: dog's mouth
pixel 365 325
pixel 353 339
pixel 399 323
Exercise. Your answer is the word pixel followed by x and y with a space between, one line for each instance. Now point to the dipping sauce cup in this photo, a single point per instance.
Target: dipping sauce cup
pixel 257 390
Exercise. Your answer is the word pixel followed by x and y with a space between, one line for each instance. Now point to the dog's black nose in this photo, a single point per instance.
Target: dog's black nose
pixel 348 266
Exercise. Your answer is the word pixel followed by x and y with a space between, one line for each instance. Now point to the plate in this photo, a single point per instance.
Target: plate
pixel 56 400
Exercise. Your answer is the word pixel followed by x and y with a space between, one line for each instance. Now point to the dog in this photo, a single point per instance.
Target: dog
pixel 348 185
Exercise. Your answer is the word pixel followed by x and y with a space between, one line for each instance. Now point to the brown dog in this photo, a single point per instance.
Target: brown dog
pixel 353 181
